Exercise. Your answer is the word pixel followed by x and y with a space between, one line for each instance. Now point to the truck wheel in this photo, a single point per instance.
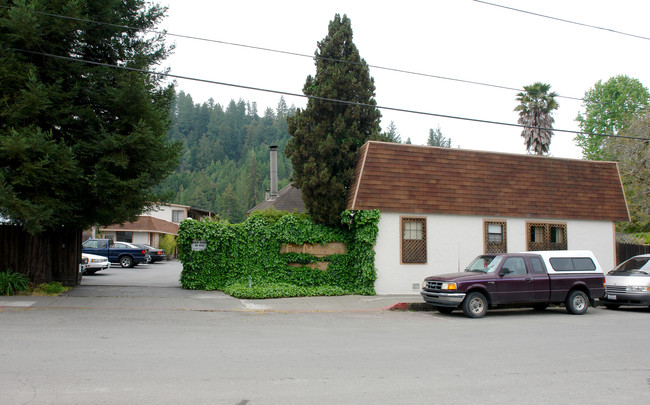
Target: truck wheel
pixel 475 305
pixel 126 261
pixel 577 302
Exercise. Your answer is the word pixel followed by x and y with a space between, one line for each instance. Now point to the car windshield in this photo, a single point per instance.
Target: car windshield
pixel 484 263
pixel 634 265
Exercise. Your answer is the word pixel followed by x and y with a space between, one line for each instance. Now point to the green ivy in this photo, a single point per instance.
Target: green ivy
pixel 244 259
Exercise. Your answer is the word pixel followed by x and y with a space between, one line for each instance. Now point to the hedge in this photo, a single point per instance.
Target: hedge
pixel 244 260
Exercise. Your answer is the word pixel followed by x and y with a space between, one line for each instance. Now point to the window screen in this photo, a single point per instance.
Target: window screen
pixel 545 236
pixel 495 237
pixel 414 240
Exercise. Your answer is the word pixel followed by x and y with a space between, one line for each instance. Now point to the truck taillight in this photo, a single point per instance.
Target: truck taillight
pixel 604 282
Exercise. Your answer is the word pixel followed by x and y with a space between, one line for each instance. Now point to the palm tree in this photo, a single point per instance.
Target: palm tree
pixel 535 107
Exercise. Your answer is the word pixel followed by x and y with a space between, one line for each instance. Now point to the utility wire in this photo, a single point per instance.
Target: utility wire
pixel 259 48
pixel 151 72
pixel 563 20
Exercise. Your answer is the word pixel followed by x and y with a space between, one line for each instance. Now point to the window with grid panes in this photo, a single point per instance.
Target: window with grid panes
pixel 495 237
pixel 547 236
pixel 414 240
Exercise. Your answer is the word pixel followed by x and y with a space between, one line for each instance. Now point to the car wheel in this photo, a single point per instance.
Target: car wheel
pixel 612 306
pixel 577 302
pixel 126 261
pixel 540 306
pixel 475 305
pixel 445 310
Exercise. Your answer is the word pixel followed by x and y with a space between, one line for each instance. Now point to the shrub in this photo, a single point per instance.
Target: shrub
pixel 249 253
pixel 168 244
pixel 280 290
pixel 12 283
pixel 51 288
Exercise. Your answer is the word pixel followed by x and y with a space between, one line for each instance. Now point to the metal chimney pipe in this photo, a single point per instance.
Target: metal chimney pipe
pixel 274 173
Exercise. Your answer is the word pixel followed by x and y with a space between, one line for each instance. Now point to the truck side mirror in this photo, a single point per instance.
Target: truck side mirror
pixel 504 271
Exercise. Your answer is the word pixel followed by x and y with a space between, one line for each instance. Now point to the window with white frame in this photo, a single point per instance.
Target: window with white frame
pixel 178 215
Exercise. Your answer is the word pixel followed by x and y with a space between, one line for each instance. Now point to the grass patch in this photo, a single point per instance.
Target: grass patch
pixel 51 288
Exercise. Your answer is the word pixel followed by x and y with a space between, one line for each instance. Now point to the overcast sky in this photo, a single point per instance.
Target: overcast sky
pixel 458 39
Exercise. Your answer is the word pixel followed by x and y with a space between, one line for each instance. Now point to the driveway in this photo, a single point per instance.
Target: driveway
pixel 159 274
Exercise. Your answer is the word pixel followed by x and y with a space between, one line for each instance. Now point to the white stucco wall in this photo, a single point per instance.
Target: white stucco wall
pixel 164 212
pixel 453 241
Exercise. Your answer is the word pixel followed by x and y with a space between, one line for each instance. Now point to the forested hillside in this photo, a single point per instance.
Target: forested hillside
pixel 224 165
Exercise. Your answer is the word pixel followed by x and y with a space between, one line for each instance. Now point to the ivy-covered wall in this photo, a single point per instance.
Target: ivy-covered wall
pixel 244 260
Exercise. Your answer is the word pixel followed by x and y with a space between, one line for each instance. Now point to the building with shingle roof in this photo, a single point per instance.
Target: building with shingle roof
pixel 441 207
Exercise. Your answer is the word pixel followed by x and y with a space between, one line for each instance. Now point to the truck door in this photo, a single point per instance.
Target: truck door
pixel 540 284
pixel 515 281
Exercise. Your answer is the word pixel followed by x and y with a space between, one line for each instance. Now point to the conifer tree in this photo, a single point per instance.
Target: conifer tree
pixel 80 143
pixel 326 135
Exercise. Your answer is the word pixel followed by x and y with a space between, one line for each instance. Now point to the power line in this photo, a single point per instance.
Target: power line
pixel 79 60
pixel 563 20
pixel 265 49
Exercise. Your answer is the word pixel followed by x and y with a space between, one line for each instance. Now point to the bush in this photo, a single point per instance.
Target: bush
pixel 51 288
pixel 168 244
pixel 12 283
pixel 237 254
pixel 280 290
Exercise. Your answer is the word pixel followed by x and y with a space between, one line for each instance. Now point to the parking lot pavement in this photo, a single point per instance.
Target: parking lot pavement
pixel 159 274
pixel 156 285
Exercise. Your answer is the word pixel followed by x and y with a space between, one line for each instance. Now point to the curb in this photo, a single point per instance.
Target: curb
pixel 411 306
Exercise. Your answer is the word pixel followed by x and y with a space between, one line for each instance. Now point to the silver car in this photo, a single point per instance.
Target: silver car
pixel 629 283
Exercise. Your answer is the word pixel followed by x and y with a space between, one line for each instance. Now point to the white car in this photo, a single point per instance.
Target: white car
pixel 95 263
pixel 629 283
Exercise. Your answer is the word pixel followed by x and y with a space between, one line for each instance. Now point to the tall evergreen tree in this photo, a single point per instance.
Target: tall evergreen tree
pixel 80 143
pixel 536 106
pixel 436 138
pixel 390 135
pixel 326 135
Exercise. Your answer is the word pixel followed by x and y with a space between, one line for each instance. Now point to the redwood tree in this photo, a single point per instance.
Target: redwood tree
pixel 327 134
pixel 80 143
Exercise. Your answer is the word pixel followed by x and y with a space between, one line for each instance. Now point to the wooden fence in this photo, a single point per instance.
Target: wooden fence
pixel 626 250
pixel 44 257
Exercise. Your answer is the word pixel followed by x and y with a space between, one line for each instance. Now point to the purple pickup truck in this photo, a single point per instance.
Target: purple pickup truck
pixel 537 279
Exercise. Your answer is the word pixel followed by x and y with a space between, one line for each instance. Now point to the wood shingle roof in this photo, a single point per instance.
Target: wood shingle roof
pixel 289 199
pixel 396 177
pixel 145 223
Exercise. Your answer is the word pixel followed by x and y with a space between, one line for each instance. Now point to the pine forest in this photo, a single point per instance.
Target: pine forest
pixel 224 165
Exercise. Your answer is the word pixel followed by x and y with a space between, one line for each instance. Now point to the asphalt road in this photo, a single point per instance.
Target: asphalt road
pixel 145 349
pixel 159 274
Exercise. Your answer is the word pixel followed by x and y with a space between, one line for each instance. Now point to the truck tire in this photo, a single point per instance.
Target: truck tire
pixel 126 261
pixel 577 302
pixel 475 305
